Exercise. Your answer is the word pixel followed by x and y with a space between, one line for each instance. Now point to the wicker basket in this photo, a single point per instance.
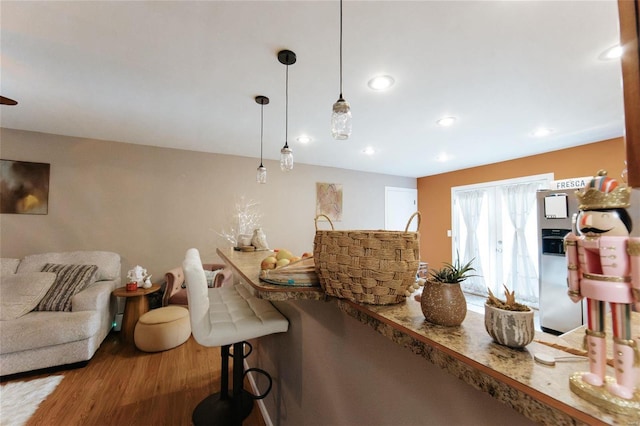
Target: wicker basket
pixel 375 267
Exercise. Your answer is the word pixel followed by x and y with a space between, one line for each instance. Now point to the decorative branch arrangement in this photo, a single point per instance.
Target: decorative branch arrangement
pixel 245 219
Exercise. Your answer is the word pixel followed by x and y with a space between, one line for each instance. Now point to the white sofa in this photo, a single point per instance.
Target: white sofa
pixel 41 339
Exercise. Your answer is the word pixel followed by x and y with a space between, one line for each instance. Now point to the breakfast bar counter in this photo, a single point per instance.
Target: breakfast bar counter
pixel 247 266
pixel 539 392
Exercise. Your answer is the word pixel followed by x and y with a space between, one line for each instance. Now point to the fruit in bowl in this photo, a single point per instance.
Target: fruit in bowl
pixel 268 263
pixel 282 262
pixel 284 254
pixel 280 258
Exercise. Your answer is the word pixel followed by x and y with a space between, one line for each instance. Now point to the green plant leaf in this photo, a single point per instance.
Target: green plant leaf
pixel 453 273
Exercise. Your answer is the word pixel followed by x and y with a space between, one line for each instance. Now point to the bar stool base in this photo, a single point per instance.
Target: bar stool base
pixel 215 411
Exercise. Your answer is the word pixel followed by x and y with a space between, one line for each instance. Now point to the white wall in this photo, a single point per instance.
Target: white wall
pixel 151 204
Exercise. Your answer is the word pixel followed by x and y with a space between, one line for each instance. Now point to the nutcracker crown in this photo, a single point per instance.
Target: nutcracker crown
pixel 603 192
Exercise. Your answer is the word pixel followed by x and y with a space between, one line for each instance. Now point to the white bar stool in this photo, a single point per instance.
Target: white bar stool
pixel 223 317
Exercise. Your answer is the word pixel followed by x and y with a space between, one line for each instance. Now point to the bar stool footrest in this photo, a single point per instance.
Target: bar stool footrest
pixel 264 373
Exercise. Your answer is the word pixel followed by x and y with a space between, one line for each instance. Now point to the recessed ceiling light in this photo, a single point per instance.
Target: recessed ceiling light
pixel 446 121
pixel 542 132
pixel 304 139
pixel 369 151
pixel 381 82
pixel 442 157
pixel 614 52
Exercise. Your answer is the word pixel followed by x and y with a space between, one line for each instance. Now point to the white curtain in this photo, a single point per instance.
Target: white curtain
pixel 470 208
pixel 521 201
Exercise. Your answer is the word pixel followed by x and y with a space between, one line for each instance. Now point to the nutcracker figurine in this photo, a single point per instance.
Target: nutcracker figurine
pixel 604 267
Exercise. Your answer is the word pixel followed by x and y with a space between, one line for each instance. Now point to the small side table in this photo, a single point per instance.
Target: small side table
pixel 136 304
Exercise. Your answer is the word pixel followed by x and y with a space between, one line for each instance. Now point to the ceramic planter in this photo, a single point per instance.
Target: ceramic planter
pixel 443 303
pixel 509 328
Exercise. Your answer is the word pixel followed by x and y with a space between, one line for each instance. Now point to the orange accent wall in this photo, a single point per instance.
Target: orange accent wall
pixel 434 192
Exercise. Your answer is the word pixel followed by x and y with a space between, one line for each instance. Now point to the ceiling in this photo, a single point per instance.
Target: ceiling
pixel 184 75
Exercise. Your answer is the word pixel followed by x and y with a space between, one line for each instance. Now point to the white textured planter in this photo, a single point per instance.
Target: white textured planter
pixel 509 328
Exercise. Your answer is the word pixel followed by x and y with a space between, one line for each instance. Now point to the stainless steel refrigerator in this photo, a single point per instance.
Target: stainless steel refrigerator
pixel 558 314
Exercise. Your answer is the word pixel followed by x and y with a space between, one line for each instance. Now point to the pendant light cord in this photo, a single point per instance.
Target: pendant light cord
pixel 340 49
pixel 286 110
pixel 261 130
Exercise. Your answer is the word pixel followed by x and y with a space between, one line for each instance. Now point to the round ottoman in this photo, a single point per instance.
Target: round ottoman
pixel 162 329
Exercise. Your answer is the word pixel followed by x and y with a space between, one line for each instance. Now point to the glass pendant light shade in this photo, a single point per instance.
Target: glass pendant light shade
pixel 261 176
pixel 286 159
pixel 341 120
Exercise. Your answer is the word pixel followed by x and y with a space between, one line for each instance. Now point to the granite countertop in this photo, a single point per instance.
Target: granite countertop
pixel 538 391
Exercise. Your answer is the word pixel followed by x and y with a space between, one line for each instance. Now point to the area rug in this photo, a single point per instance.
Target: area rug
pixel 19 400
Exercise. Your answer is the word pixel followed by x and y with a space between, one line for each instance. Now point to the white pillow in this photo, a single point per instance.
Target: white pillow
pixel 211 277
pixel 20 293
pixel 8 265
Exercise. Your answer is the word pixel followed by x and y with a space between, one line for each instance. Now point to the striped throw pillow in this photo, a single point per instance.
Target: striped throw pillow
pixel 70 279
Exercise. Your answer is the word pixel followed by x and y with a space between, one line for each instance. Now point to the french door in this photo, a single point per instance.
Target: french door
pixel 495 224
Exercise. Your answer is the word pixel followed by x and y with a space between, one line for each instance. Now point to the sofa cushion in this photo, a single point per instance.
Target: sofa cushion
pixel 43 329
pixel 20 293
pixel 108 262
pixel 211 278
pixel 8 265
pixel 70 279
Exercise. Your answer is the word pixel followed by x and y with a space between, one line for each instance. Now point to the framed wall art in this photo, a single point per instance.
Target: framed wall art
pixel 24 187
pixel 329 200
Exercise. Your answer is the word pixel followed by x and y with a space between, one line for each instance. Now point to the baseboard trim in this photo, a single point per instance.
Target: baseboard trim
pixel 260 402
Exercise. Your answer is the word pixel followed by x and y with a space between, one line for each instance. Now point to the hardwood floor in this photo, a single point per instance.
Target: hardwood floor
pixel 123 386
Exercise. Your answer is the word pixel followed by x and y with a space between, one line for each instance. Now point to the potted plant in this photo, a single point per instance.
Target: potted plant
pixel 442 300
pixel 508 322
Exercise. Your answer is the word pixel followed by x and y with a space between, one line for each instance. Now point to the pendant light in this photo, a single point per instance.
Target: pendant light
pixel 287 58
pixel 341 114
pixel 261 176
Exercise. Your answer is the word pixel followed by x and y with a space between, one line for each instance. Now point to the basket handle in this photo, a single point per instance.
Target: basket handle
pixel 411 218
pixel 327 217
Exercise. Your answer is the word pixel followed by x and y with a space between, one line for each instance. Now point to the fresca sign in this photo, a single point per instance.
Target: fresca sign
pixel 572 183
